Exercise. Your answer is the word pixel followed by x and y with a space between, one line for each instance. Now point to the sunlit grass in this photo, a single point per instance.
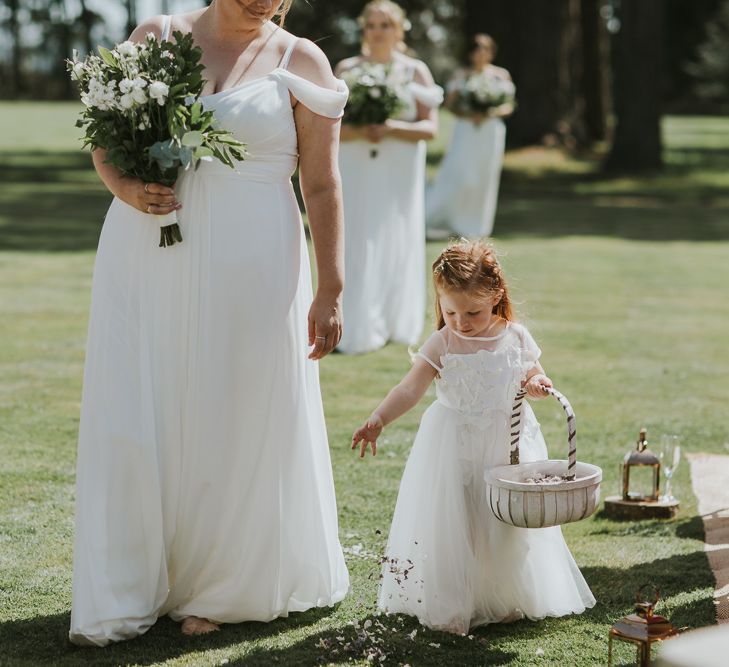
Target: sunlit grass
pixel 633 330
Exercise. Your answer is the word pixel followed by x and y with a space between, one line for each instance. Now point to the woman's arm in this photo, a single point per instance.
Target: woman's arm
pixel 155 198
pixel 321 188
pixel 401 398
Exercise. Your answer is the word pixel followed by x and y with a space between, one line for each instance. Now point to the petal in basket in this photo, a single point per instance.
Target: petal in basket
pixel 543 493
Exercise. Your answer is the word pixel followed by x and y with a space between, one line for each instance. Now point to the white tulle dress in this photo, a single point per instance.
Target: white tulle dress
pixel 383 188
pixel 450 562
pixel 464 194
pixel 204 482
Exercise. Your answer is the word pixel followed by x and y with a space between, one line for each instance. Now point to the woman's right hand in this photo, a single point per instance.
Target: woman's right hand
pixel 368 435
pixel 152 198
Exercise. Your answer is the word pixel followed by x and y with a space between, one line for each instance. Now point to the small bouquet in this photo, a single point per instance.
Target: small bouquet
pixel 481 92
pixel 142 104
pixel 373 98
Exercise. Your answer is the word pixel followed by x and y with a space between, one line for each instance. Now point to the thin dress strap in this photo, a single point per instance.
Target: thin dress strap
pixel 166 27
pixel 287 54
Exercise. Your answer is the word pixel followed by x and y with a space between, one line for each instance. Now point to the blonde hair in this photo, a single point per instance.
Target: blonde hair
pixel 471 267
pixel 396 16
pixel 283 10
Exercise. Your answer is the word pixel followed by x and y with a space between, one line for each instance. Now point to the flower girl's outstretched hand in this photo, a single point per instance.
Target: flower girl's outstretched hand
pixel 367 435
pixel 535 385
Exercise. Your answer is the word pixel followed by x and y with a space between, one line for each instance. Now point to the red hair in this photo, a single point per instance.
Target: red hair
pixel 471 267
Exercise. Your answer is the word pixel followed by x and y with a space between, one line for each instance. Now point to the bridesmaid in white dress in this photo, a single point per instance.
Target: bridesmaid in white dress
pixel 204 485
pixel 383 176
pixel 465 192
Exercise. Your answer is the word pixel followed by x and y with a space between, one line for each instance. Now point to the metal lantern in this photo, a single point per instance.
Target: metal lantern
pixel 645 468
pixel 642 629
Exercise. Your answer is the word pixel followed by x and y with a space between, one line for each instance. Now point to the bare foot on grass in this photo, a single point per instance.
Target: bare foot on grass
pixel 193 625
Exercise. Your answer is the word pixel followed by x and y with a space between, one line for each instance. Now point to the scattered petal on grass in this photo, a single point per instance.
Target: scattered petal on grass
pixel 413 634
pixel 434 645
pixel 539 652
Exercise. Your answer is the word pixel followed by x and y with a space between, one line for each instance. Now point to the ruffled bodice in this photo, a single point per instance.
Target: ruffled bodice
pixel 479 384
pixel 479 377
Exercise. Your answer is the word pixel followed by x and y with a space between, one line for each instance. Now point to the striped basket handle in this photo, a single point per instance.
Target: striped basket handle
pixel 516 427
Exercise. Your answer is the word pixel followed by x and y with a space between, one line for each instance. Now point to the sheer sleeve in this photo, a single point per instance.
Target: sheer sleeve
pixel 531 351
pixel 433 349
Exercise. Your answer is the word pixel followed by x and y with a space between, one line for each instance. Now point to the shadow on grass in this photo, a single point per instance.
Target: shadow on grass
pixel 53 201
pixel 387 641
pixel 44 641
pixel 50 202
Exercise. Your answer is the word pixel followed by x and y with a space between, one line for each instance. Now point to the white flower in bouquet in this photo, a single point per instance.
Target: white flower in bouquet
pixel 159 91
pixel 142 105
pixel 127 49
pixel 77 70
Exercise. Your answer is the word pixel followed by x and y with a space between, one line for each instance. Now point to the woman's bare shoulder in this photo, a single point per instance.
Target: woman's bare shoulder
pixel 155 24
pixel 309 62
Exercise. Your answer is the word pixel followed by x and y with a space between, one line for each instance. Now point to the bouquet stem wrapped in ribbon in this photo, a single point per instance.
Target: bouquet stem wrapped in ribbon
pixel 142 105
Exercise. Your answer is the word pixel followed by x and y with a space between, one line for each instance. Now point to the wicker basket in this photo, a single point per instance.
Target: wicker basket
pixel 515 501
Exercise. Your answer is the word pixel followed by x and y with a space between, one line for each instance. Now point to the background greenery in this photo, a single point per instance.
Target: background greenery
pixel 621 280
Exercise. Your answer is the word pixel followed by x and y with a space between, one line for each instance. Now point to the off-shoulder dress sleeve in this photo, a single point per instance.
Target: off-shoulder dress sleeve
pixel 430 96
pixel 322 101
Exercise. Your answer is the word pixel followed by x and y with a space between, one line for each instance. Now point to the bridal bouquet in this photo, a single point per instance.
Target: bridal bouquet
pixel 142 104
pixel 373 98
pixel 479 93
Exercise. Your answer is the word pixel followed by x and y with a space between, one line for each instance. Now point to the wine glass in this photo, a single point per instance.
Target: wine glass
pixel 670 455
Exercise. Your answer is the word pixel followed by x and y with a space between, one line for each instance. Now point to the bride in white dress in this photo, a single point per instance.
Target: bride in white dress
pixel 383 176
pixel 204 485
pixel 465 192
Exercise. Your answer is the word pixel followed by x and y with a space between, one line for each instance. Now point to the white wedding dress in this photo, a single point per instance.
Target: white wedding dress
pixel 450 561
pixel 204 482
pixel 383 188
pixel 463 196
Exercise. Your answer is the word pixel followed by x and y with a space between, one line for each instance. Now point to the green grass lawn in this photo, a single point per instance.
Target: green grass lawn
pixel 621 280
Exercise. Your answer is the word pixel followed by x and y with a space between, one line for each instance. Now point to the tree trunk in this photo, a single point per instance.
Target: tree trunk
pixel 16 77
pixel 540 44
pixel 131 7
pixel 86 20
pixel 638 71
pixel 596 69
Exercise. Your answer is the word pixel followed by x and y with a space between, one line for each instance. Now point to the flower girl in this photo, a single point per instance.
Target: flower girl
pixel 449 561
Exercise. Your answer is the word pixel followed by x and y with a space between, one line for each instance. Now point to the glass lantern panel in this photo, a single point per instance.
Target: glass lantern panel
pixel 641 483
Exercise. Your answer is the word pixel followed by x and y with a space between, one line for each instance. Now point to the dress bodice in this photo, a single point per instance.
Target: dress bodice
pixel 478 378
pixel 258 112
